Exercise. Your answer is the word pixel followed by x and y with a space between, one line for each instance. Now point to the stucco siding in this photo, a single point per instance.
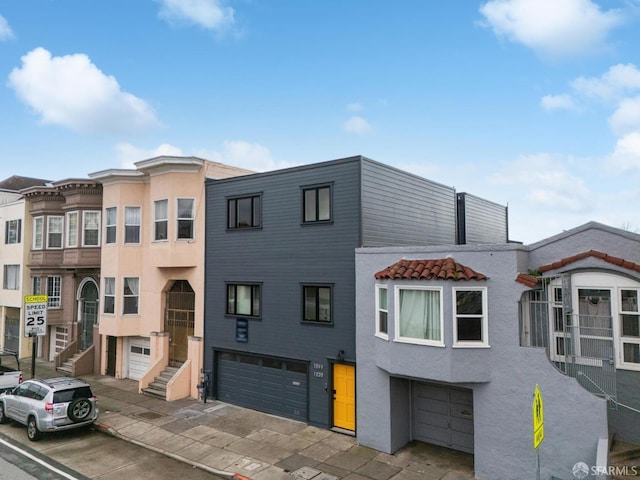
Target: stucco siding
pixel 502 401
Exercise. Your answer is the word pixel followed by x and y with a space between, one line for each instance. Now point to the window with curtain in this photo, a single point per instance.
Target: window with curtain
pixel 185 218
pixel 110 224
pixel 36 285
pixel 470 319
pixel 11 277
pixel 109 295
pixel 243 300
pixel 90 229
pixel 54 231
pixel 13 231
pixel 132 216
pixel 130 295
pixel 160 220
pixel 72 229
pixel 419 315
pixel 38 233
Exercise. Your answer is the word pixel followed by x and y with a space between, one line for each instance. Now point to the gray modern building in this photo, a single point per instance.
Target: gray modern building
pixel 452 342
pixel 280 314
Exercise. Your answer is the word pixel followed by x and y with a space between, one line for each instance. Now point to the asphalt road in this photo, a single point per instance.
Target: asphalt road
pixel 82 455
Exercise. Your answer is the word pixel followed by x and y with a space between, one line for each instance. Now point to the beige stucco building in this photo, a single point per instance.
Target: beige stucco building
pixel 152 272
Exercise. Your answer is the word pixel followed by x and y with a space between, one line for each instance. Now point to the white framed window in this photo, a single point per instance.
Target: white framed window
pixel 54 291
pixel 109 302
pixel 629 324
pixel 38 233
pixel 72 229
pixel 36 285
pixel 91 229
pixel 185 218
pixel 13 231
pixel 132 219
pixel 160 220
pixel 418 315
pixel 11 277
pixel 470 320
pixel 110 224
pixel 55 225
pixel 130 295
pixel 382 312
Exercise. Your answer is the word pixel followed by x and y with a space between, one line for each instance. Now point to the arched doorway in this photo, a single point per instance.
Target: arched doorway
pixel 87 312
pixel 179 319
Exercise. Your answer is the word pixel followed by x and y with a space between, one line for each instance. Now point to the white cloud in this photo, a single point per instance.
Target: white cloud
pixel 545 182
pixel 626 117
pixel 551 27
pixel 128 154
pixel 240 153
pixel 357 125
pixel 72 92
pixel 558 102
pixel 626 155
pixel 5 30
pixel 354 107
pixel 208 14
pixel 618 81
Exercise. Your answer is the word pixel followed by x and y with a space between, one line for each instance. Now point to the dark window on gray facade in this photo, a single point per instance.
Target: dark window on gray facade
pixel 243 300
pixel 317 204
pixel 316 304
pixel 243 212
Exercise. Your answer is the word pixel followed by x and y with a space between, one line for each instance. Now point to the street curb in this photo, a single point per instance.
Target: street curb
pixel 101 427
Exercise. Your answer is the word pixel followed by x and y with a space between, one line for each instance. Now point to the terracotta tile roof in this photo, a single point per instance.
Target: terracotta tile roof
pixel 442 269
pixel 531 280
pixel 528 279
pixel 620 262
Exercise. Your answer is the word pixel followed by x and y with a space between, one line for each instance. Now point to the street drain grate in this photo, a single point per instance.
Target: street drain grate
pixel 149 415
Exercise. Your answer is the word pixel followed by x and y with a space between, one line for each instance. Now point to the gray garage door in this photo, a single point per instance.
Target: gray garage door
pixel 270 385
pixel 443 416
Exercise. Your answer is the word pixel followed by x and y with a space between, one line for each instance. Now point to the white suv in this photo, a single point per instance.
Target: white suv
pixel 49 405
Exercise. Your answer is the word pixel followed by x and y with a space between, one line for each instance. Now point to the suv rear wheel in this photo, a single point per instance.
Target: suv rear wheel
pixel 79 409
pixel 32 430
pixel 3 417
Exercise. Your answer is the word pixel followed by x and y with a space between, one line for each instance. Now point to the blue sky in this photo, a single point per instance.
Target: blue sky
pixel 530 103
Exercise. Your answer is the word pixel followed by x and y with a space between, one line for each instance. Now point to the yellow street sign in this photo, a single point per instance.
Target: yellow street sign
pixel 538 418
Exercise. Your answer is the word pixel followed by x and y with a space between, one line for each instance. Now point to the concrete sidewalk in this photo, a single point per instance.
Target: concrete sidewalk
pixel 235 442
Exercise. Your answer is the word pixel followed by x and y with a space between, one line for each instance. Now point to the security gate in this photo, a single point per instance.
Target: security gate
pixel 11 333
pixel 179 320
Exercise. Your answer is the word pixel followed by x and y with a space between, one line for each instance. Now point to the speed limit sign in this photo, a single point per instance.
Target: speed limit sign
pixel 35 315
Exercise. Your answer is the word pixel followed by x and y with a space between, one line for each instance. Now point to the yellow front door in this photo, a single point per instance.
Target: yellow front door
pixel 344 396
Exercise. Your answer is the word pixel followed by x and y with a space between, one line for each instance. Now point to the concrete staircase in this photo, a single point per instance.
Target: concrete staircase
pixel 158 388
pixel 67 367
pixel 625 458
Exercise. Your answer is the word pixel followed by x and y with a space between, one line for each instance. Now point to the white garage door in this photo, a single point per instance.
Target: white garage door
pixel 443 416
pixel 139 357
